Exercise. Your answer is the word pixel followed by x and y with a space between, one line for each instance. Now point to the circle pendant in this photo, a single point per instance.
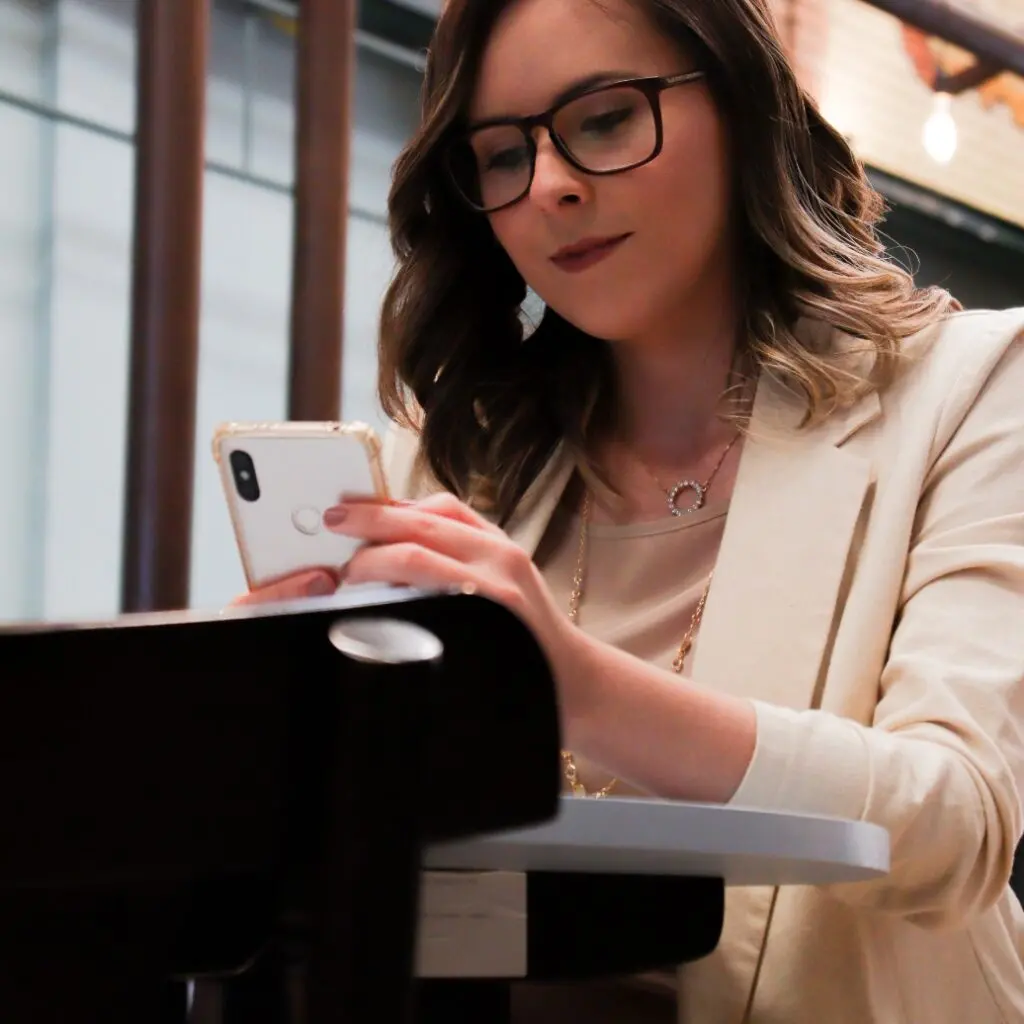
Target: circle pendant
pixel 680 488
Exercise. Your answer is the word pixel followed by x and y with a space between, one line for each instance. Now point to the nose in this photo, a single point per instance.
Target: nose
pixel 556 183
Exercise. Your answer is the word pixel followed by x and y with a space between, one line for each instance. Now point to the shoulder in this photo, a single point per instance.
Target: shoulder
pixel 966 346
pixel 965 360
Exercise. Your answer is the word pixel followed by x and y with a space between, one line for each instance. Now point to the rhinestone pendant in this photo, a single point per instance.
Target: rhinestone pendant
pixel 680 488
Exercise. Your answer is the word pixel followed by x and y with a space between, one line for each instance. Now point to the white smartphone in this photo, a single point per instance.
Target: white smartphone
pixel 278 479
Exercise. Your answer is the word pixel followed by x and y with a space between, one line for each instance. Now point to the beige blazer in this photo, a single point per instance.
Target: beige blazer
pixel 869 598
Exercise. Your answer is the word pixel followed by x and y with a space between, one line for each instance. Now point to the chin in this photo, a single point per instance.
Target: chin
pixel 608 321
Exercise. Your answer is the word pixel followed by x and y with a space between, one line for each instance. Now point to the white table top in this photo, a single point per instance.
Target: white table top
pixel 656 837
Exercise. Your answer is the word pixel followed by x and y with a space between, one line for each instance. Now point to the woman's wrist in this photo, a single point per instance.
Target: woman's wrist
pixel 577 667
pixel 697 744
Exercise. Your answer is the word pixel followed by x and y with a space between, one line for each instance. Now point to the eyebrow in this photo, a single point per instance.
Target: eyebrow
pixel 571 91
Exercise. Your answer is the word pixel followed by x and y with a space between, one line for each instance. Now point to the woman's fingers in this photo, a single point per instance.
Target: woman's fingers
pixel 448 531
pixel 450 507
pixel 310 583
pixel 442 503
pixel 411 565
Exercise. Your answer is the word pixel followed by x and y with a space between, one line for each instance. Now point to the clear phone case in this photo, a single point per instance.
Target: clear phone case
pixel 278 479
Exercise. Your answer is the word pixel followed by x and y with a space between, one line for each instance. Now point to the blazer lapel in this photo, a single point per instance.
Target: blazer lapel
pixel 770 613
pixel 535 509
pixel 785 551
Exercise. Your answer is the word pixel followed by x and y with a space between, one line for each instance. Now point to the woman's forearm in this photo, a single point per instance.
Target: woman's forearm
pixel 658 731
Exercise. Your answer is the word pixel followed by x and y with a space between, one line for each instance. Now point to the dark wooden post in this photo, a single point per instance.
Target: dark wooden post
pixel 172 51
pixel 325 58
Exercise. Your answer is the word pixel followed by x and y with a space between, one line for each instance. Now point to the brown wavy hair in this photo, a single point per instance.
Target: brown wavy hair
pixel 490 406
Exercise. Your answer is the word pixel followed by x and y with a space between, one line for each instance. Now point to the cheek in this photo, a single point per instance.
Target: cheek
pixel 689 191
pixel 687 237
pixel 518 237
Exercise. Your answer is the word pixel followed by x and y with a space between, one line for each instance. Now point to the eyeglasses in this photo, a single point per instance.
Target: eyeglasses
pixel 604 130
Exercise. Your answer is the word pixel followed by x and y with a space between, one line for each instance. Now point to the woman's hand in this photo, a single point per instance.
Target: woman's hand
pixel 440 543
pixel 697 743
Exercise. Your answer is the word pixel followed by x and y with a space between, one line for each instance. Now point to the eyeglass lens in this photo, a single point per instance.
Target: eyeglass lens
pixel 604 131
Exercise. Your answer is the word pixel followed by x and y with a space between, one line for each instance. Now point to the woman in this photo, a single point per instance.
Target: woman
pixel 760 499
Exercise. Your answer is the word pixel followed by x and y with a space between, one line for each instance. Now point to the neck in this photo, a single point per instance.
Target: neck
pixel 671 387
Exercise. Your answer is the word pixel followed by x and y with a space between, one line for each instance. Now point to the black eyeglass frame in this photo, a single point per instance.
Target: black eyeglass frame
pixel 651 87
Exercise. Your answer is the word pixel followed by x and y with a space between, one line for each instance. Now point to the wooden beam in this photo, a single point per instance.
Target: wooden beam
pixel 993 44
pixel 172 48
pixel 970 78
pixel 326 63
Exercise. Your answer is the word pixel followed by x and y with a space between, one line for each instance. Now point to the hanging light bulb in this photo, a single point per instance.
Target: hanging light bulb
pixel 940 134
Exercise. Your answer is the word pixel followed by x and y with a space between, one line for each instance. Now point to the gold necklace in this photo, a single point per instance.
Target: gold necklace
pixel 700 490
pixel 575 598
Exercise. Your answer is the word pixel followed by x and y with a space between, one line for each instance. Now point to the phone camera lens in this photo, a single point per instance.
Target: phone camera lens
pixel 244 473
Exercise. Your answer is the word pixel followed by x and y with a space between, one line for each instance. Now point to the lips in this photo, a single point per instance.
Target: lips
pixel 586 252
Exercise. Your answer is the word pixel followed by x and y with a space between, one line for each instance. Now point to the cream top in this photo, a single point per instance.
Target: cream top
pixel 642 584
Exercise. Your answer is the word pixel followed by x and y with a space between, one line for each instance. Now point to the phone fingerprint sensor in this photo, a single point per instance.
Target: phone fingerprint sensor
pixel 307 520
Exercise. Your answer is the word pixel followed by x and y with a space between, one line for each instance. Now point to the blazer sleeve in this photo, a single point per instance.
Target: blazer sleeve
pixel 941 765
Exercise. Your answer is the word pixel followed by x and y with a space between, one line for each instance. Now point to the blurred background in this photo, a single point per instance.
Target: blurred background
pixel 949 158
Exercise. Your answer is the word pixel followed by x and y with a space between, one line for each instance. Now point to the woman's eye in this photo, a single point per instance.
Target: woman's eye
pixel 607 122
pixel 505 160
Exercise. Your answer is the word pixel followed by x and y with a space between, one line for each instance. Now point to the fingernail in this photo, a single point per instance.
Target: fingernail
pixel 321 585
pixel 335 516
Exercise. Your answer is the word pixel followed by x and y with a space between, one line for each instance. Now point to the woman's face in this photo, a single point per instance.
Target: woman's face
pixel 671 213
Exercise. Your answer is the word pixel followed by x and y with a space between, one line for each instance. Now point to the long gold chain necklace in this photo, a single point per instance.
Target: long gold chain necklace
pixel 700 490
pixel 578 582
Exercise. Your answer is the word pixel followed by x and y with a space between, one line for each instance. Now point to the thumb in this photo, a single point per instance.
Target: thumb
pixel 309 583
